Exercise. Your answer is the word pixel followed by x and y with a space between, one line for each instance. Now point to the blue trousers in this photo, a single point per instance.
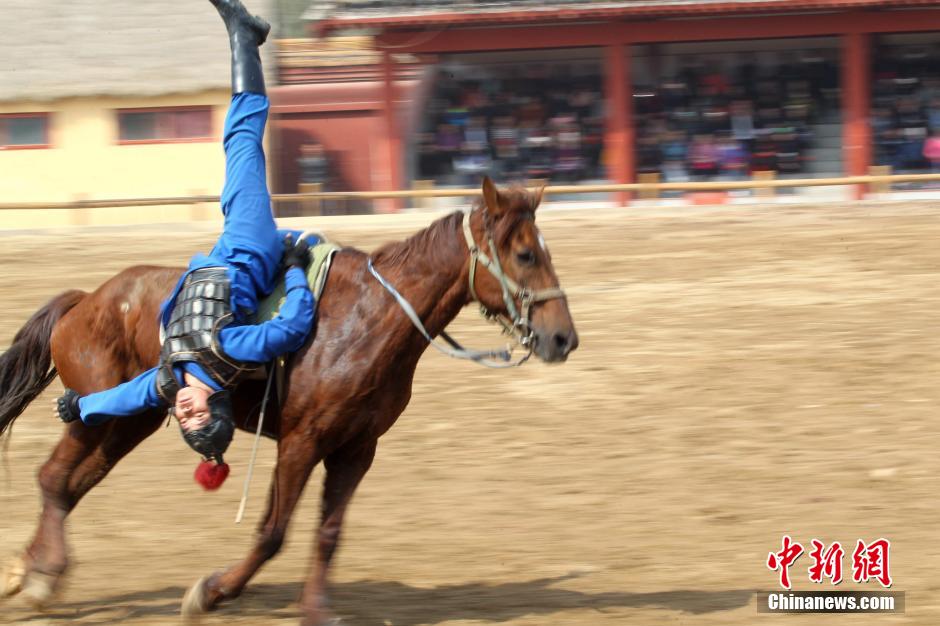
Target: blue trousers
pixel 249 245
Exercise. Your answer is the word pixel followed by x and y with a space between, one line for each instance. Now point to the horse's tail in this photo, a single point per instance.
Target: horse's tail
pixel 26 367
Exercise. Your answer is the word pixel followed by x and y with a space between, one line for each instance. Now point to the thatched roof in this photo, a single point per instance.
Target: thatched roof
pixel 54 50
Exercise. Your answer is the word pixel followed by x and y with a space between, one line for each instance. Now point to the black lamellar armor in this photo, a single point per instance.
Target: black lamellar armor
pixel 202 309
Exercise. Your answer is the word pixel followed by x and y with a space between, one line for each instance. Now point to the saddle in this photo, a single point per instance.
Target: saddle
pixel 321 258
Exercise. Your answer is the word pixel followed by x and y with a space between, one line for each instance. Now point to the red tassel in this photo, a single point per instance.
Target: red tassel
pixel 210 475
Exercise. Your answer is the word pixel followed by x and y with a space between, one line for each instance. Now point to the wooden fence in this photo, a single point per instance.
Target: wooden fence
pixel 761 183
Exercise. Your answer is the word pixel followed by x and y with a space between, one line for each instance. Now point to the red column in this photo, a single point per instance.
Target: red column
pixel 856 101
pixel 393 155
pixel 618 136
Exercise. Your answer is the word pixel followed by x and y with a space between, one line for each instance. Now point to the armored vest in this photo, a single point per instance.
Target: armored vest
pixel 202 309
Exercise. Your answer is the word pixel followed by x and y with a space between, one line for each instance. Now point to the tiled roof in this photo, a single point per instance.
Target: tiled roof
pixel 415 13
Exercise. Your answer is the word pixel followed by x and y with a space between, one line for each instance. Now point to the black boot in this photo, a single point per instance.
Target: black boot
pixel 67 406
pixel 246 33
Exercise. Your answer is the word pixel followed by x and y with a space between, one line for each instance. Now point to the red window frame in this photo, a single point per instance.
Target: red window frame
pixel 44 116
pixel 174 138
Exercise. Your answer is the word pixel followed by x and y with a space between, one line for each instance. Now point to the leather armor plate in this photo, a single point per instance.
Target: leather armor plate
pixel 202 309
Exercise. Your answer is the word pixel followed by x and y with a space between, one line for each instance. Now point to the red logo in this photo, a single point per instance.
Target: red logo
pixel 784 559
pixel 871 562
pixel 868 561
pixel 826 564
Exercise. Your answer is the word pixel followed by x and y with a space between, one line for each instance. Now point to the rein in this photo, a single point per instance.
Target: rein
pixel 516 324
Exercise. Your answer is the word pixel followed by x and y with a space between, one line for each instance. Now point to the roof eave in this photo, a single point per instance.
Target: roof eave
pixel 535 15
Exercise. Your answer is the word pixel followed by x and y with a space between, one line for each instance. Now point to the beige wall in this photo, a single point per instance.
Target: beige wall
pixel 85 162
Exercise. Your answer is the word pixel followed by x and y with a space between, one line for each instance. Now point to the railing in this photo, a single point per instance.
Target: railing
pixel 877 182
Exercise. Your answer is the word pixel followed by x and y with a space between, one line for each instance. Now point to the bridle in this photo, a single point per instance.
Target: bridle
pixel 517 324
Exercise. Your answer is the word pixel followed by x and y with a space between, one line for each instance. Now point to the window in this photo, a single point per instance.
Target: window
pixel 164 125
pixel 24 130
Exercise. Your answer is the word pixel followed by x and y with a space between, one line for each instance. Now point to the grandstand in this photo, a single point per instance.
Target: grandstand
pixel 609 91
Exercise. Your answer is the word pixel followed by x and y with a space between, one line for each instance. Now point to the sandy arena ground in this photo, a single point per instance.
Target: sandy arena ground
pixel 743 373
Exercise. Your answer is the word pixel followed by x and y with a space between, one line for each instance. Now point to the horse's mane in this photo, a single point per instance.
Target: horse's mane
pixel 433 239
pixel 516 200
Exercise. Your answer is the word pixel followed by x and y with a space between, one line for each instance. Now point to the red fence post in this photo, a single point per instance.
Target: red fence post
pixel 856 102
pixel 618 135
pixel 393 153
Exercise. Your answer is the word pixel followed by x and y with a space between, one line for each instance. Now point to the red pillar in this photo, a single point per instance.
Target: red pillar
pixel 392 153
pixel 618 136
pixel 856 101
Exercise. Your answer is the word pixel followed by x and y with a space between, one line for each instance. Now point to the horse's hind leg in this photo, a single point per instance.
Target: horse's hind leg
pixel 297 455
pixel 344 471
pixel 82 458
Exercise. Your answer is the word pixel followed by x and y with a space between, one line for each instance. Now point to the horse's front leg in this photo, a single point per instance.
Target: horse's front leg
pixel 82 458
pixel 344 471
pixel 297 455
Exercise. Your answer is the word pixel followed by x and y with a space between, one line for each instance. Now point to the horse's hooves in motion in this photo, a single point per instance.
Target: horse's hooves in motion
pixel 196 601
pixel 13 574
pixel 39 589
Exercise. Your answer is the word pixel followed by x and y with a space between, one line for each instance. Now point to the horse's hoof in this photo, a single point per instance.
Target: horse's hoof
pixel 39 589
pixel 201 598
pixel 196 601
pixel 11 580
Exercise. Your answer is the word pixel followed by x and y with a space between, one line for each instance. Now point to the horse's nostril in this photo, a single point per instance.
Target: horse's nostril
pixel 561 342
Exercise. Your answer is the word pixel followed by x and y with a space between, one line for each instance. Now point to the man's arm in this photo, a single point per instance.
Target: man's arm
pixel 130 398
pixel 285 333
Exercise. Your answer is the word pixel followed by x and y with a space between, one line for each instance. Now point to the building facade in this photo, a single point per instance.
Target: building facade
pixel 109 100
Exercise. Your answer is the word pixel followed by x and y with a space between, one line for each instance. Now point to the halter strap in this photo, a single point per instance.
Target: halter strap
pixel 517 326
pixel 514 322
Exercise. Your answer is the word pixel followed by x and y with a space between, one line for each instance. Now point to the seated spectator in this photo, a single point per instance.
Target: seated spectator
pixel 313 164
pixel 742 123
pixel 649 154
pixel 764 157
pixel 674 154
pixel 788 155
pixel 568 162
pixel 703 157
pixel 505 140
pixel 932 151
pixel 912 123
pixel 539 151
pixel 732 159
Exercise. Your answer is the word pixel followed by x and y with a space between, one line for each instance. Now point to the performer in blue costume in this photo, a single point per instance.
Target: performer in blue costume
pixel 210 343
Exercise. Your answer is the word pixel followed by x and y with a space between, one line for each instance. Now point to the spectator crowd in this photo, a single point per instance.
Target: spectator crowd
pixel 714 118
pixel 704 122
pixel 708 121
pixel 906 108
pixel 526 122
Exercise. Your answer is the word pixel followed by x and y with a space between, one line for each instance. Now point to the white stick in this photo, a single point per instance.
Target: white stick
pixel 254 447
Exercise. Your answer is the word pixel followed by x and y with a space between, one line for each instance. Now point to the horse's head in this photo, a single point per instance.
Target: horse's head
pixel 528 293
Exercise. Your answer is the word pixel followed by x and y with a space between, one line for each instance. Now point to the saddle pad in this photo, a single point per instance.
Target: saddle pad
pixel 321 257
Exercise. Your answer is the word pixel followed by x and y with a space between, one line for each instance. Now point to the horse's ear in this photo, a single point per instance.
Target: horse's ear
pixel 491 197
pixel 537 196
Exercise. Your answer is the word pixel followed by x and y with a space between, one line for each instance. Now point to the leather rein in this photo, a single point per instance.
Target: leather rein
pixel 517 324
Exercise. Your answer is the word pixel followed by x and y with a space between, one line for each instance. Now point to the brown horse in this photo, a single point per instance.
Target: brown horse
pixel 343 390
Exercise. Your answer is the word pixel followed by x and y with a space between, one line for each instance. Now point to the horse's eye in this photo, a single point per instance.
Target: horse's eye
pixel 525 257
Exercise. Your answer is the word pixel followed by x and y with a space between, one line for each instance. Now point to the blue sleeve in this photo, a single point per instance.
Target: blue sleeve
pixel 130 398
pixel 287 332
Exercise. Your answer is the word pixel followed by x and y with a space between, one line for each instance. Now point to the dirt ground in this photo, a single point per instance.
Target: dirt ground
pixel 744 373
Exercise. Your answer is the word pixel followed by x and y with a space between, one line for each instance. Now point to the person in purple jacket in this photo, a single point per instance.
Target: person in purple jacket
pixel 210 342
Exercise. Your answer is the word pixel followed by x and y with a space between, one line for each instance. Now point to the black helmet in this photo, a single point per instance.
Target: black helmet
pixel 212 440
